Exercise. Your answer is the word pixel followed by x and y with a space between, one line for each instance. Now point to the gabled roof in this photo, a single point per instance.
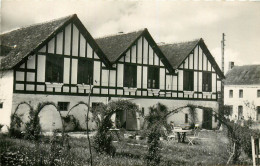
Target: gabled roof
pixel 26 41
pixel 243 75
pixel 177 53
pixel 115 46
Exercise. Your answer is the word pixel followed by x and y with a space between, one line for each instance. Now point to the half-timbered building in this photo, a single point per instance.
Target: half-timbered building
pixel 59 61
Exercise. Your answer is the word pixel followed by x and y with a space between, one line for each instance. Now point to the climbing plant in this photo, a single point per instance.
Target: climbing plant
pixel 33 127
pixel 103 140
pixel 16 121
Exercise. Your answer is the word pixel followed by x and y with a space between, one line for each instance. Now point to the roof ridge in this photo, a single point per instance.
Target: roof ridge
pixel 40 23
pixel 119 34
pixel 183 42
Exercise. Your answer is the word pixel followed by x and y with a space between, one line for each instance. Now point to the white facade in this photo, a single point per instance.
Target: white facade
pixel 6 98
pixel 249 101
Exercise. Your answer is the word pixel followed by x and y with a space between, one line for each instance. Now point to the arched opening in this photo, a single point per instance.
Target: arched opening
pixel 126 119
pixel 50 119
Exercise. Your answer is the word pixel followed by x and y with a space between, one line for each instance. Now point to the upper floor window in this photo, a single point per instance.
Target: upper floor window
pixel 240 93
pixel 54 68
pixel 153 77
pixel 230 93
pixel 188 80
pixel 130 75
pixel 85 71
pixel 258 93
pixel 63 106
pixel 206 83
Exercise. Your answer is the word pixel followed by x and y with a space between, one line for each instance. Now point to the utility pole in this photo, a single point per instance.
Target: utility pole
pixel 221 99
pixel 223 51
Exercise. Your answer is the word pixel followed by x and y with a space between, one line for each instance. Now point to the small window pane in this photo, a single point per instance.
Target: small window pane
pixel 63 106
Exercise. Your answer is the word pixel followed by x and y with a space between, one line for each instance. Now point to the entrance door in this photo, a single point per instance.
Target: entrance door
pixel 207 119
pixel 126 120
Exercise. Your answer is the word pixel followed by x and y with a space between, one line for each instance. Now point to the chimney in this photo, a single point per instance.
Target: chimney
pixel 231 65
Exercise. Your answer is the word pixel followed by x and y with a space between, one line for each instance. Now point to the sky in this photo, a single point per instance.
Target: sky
pixel 167 21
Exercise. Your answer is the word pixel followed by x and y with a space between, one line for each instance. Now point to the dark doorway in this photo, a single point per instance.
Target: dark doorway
pixel 207 119
pixel 126 120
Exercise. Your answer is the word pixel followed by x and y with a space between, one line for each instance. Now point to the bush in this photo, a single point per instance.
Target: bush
pixel 1 126
pixel 33 128
pixel 241 137
pixel 153 156
pixel 14 130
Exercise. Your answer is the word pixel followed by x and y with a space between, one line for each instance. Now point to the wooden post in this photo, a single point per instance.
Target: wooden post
pixel 253 150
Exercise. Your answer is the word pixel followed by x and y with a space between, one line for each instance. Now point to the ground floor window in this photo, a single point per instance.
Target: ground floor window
pixel 258 113
pixel 95 105
pixel 186 118
pixel 63 106
pixel 240 112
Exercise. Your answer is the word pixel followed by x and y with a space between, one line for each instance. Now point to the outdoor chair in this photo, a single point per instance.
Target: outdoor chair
pixel 193 138
pixel 170 136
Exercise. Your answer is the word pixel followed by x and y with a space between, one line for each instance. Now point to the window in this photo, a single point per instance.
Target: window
pixel 142 110
pixel 1 105
pixel 240 93
pixel 240 112
pixel 63 106
pixel 188 80
pixel 258 93
pixel 153 77
pixel 230 93
pixel 96 104
pixel 54 68
pixel 186 118
pixel 130 75
pixel 206 83
pixel 258 113
pixel 85 71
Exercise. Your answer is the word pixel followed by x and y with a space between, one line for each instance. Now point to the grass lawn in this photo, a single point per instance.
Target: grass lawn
pixel 213 151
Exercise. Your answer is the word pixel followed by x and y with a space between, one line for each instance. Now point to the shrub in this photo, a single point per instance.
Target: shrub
pixel 153 156
pixel 155 121
pixel 1 126
pixel 241 136
pixel 33 128
pixel 103 140
pixel 15 126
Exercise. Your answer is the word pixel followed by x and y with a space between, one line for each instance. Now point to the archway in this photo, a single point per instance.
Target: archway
pixel 50 119
pixel 79 112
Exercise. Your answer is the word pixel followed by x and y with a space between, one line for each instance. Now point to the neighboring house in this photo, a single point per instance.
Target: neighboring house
pixel 242 92
pixel 59 61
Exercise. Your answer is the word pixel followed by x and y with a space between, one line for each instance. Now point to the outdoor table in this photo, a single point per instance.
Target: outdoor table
pixel 181 134
pixel 115 130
